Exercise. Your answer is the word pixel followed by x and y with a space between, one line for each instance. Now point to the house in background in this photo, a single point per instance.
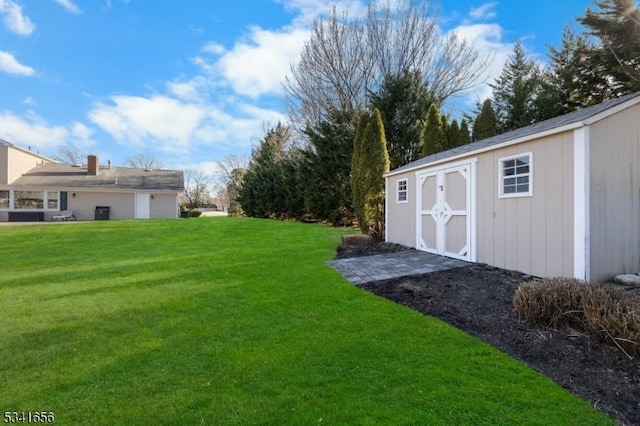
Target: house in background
pixel 557 198
pixel 34 187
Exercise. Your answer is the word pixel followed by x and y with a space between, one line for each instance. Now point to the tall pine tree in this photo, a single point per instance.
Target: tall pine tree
pixel 616 26
pixel 328 193
pixel 403 101
pixel 515 91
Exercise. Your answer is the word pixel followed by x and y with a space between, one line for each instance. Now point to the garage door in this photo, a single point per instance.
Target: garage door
pixel 445 212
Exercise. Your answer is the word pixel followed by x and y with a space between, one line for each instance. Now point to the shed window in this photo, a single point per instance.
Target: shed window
pixel 515 176
pixel 403 193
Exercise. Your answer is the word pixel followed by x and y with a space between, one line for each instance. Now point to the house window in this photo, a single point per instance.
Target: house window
pixel 29 200
pixel 4 200
pixel 403 193
pixel 52 200
pixel 515 176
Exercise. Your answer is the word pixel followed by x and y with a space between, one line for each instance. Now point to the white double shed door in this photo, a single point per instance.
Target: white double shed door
pixel 446 211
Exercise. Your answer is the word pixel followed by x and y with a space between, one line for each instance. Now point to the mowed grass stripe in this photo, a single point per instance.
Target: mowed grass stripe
pixel 236 321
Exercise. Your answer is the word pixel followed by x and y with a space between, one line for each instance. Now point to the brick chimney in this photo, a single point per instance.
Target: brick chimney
pixel 92 165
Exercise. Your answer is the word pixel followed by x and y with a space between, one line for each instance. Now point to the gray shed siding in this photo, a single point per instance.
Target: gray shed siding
pixel 401 217
pixel 529 234
pixel 614 163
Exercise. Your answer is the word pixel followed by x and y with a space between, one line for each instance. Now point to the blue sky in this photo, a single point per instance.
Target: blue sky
pixel 193 81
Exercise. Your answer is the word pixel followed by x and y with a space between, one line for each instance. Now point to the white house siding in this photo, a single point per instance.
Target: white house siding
pixel 121 205
pixel 529 234
pixel 614 162
pixel 164 206
pixel 401 217
pixel 4 164
pixel 19 162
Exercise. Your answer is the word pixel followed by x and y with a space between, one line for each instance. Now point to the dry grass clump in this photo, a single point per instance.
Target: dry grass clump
pixel 358 240
pixel 611 316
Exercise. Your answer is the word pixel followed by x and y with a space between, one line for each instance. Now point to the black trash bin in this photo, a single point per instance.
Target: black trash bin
pixel 184 214
pixel 102 212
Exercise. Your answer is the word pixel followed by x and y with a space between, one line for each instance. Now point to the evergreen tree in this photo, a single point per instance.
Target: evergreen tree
pixel 328 159
pixel 359 170
pixel 616 26
pixel 433 138
pixel 453 135
pixel 465 135
pixel 485 124
pixel 515 91
pixel 377 160
pixel 403 101
pixel 567 84
pixel 294 184
pixel 262 193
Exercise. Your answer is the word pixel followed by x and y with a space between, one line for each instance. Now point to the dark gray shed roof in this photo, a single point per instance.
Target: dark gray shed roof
pixel 122 178
pixel 543 126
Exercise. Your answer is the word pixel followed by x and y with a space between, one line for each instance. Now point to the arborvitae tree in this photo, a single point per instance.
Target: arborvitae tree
pixel 328 193
pixel 377 160
pixel 514 92
pixel 359 170
pixel 616 26
pixel 403 101
pixel 485 124
pixel 465 136
pixel 453 135
pixel 433 138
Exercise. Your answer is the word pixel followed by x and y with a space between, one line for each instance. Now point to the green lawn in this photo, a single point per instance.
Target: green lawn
pixel 236 321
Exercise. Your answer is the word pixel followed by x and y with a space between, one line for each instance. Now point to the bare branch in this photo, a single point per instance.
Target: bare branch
pixel 144 160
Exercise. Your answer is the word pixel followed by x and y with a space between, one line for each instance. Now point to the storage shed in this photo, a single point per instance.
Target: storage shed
pixel 556 198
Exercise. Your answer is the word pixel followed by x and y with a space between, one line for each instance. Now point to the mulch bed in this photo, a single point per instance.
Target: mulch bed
pixel 478 300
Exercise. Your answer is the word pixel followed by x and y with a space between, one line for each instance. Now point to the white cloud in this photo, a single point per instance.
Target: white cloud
pixel 486 11
pixel 487 39
pixel 10 65
pixel 213 48
pixel 257 66
pixel 139 121
pixel 14 19
pixel 69 6
pixel 35 132
pixel 307 11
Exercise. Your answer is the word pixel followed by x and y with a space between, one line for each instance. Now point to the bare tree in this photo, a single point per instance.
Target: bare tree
pixel 143 160
pixel 69 154
pixel 197 188
pixel 346 59
pixel 233 169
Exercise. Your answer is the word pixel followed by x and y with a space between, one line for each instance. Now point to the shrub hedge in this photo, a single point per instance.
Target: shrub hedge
pixel 611 316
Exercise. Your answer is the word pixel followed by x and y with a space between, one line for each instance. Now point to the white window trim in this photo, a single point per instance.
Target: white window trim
pixel 45 201
pixel 406 191
pixel 501 178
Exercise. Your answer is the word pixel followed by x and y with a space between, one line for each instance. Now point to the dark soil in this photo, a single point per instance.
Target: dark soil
pixel 478 300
